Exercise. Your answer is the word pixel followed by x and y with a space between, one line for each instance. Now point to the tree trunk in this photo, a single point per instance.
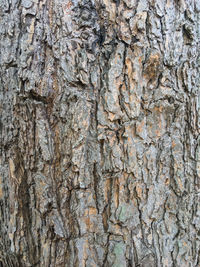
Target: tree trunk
pixel 100 154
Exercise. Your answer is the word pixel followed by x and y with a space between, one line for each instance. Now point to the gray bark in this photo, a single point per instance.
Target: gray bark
pixel 100 147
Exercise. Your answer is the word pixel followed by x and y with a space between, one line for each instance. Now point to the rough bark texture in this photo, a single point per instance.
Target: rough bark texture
pixel 99 133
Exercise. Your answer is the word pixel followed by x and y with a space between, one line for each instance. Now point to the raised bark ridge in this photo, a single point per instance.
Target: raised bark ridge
pixel 100 148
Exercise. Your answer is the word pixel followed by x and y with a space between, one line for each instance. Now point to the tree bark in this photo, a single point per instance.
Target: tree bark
pixel 100 147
